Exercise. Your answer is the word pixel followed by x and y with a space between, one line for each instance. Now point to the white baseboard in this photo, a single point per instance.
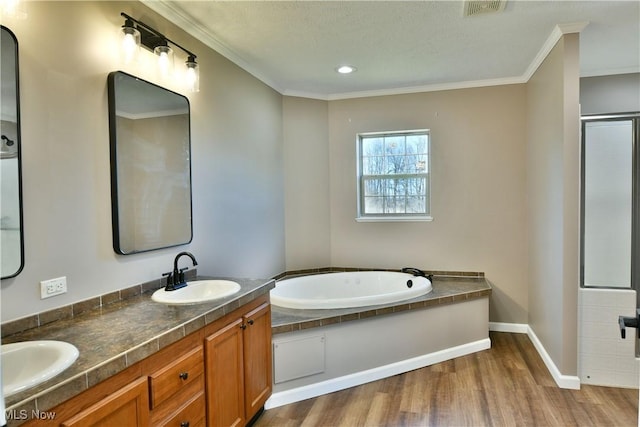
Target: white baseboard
pixel 516 328
pixel 563 381
pixel 358 378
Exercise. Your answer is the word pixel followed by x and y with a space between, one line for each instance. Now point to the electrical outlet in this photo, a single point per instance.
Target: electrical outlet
pixel 53 287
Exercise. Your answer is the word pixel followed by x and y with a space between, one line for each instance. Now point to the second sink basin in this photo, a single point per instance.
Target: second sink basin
pixel 29 363
pixel 197 291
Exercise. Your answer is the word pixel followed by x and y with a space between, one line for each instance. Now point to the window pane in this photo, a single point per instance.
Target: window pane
pixel 374 187
pixel 416 186
pixel 416 204
pixel 420 164
pixel 372 146
pixel 394 145
pixel 417 144
pixel 373 165
pixel 395 205
pixel 396 164
pixel 373 205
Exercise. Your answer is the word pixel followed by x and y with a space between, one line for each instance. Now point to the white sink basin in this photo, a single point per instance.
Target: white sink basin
pixel 197 292
pixel 29 363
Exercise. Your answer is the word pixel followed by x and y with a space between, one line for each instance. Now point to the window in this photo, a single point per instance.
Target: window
pixel 394 176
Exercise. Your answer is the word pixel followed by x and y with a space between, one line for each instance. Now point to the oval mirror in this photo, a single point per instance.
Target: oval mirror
pixel 150 165
pixel 11 235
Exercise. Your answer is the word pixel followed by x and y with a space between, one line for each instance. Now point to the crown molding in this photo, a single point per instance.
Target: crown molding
pixel 177 17
pixel 428 88
pixel 554 37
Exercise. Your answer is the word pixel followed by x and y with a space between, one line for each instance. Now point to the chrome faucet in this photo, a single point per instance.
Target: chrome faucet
pixel 175 280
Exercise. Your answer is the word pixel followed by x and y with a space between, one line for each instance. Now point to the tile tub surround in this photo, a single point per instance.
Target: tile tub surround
pixel 112 337
pixel 446 290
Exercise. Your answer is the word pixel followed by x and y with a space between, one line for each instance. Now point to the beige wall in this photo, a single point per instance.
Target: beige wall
pixel 553 202
pixel 610 94
pixel 66 50
pixel 478 187
pixel 306 162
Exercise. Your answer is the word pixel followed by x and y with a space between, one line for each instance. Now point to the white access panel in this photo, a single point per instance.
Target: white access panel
pixel 298 357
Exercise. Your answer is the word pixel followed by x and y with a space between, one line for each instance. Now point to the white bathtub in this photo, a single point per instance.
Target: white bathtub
pixel 351 289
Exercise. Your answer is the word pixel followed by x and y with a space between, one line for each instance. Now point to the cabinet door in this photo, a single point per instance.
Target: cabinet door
pixel 225 377
pixel 128 406
pixel 257 358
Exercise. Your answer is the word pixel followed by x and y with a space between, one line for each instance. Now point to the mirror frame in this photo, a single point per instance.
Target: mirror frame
pixel 113 142
pixel 19 155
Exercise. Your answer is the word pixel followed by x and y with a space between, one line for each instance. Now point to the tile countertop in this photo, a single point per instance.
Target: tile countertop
pixel 446 290
pixel 112 337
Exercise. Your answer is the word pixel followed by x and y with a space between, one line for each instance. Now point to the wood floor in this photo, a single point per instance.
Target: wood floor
pixel 507 385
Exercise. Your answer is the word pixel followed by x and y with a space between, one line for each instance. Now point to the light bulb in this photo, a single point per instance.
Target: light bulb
pixel 130 44
pixel 193 74
pixel 129 48
pixel 165 60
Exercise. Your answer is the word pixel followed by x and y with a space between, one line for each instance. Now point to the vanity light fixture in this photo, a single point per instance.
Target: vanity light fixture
pixel 136 34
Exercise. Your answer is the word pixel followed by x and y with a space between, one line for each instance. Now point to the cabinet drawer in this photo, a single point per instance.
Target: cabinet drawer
pixel 189 415
pixel 175 376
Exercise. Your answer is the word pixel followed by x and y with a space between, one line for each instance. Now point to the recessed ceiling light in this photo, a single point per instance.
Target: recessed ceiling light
pixel 346 69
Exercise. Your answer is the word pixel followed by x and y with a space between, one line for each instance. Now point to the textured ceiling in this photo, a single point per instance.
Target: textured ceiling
pixel 295 46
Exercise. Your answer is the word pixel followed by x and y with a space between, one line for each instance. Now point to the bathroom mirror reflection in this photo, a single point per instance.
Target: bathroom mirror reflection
pixel 150 165
pixel 11 237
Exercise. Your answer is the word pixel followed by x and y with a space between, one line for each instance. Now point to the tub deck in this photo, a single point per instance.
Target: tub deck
pixel 320 351
pixel 446 290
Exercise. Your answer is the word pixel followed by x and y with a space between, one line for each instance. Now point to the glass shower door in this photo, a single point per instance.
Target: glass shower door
pixel 610 256
pixel 608 203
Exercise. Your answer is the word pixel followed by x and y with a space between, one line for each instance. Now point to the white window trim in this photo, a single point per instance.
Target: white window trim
pixel 416 218
pixel 390 218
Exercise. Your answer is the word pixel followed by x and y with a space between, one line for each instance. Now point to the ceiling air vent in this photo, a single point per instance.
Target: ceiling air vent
pixel 478 7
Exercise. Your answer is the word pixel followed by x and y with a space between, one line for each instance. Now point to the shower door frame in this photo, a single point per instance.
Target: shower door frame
pixel 634 117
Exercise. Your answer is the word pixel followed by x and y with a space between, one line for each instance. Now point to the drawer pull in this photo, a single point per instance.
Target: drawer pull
pixel 184 376
pixel 184 424
pixel 250 321
pixel 243 326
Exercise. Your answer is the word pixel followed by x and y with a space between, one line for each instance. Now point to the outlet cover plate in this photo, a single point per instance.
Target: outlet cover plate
pixel 52 287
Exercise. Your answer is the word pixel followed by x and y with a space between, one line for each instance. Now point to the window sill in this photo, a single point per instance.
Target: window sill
pixel 394 219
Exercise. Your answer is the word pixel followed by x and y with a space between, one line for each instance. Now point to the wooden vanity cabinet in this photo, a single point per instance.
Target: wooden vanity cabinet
pixel 176 389
pixel 165 389
pixel 225 376
pixel 230 359
pixel 257 359
pixel 238 365
pixel 124 396
pixel 127 406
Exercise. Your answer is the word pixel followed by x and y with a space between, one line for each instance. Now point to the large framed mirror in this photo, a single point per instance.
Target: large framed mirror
pixel 11 224
pixel 150 140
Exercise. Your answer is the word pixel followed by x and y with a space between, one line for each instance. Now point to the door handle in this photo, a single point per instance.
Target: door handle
pixel 628 322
